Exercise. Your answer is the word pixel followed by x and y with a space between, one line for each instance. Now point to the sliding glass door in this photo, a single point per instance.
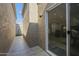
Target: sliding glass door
pixel 63 29
pixel 74 18
pixel 57 30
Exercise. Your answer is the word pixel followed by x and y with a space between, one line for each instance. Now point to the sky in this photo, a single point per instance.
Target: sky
pixel 19 17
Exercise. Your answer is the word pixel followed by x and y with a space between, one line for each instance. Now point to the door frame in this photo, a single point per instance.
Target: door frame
pixel 67 28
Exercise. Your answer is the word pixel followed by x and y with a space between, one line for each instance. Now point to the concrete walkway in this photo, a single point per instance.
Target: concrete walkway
pixel 19 47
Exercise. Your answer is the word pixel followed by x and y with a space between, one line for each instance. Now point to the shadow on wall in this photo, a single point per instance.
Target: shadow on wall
pixel 32 35
pixel 18 30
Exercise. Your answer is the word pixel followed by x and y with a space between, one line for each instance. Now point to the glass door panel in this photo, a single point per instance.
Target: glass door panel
pixel 74 18
pixel 57 30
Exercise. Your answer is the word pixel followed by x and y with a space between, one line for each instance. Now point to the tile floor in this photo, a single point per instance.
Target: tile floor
pixel 19 47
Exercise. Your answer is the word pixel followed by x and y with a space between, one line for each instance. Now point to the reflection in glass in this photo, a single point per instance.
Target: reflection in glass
pixel 57 30
pixel 74 17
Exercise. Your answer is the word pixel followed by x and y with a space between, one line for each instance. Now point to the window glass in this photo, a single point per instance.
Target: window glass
pixel 74 41
pixel 57 30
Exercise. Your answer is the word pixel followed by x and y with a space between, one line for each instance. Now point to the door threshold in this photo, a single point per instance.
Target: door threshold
pixel 51 53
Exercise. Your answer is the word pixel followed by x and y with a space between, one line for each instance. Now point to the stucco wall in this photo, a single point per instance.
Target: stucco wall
pixel 41 22
pixel 7 26
pixel 25 20
pixel 33 13
pixel 31 24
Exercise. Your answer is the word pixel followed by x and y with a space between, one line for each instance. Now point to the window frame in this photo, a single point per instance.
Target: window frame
pixel 54 5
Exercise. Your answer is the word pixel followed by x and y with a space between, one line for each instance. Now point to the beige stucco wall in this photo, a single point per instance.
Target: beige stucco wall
pixel 7 26
pixel 33 13
pixel 41 22
pixel 31 24
pixel 26 19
